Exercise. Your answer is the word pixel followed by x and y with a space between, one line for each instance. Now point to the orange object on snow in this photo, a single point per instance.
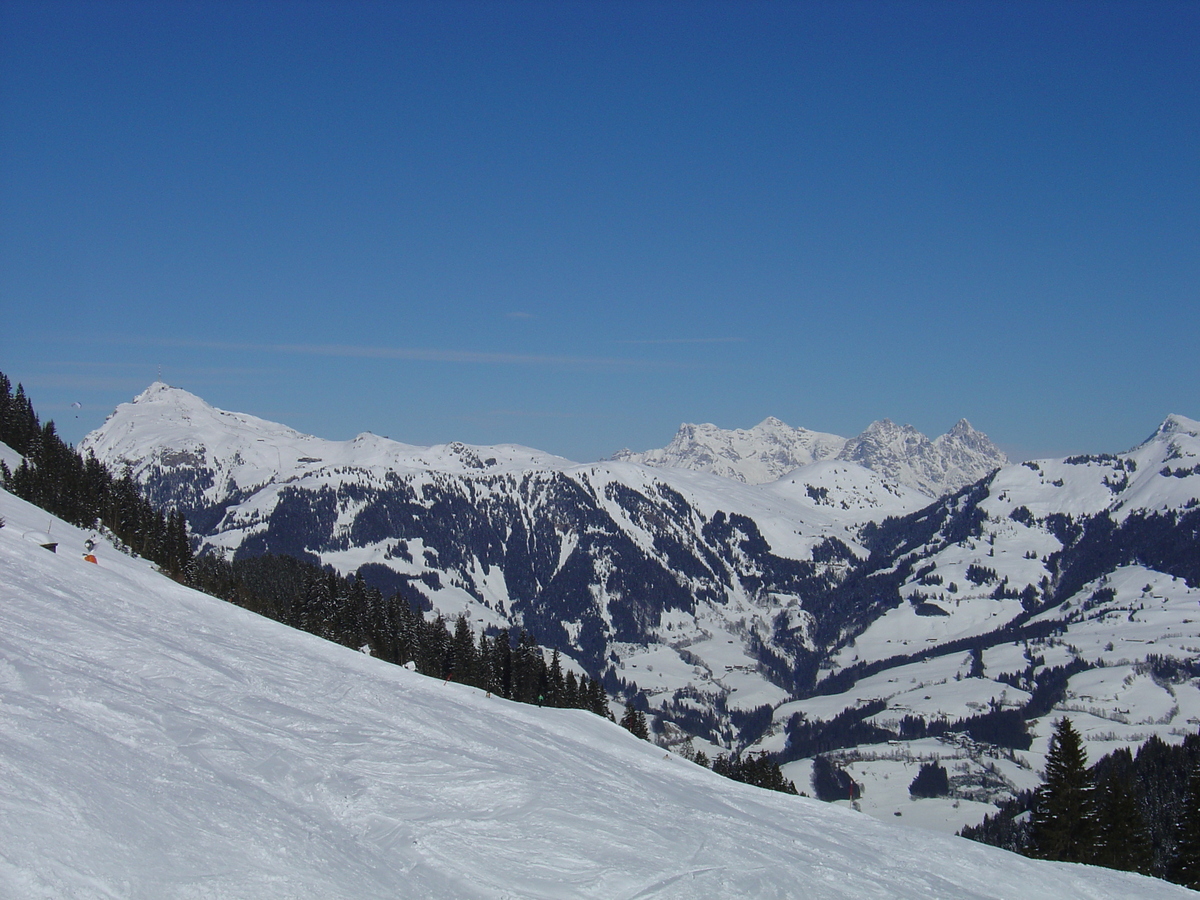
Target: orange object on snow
pixel 90 558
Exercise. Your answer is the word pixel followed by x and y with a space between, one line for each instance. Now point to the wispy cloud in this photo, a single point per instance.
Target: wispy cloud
pixel 420 354
pixel 710 340
pixel 83 375
pixel 540 414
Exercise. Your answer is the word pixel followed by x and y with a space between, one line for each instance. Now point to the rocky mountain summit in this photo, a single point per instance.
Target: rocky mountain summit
pixel 772 449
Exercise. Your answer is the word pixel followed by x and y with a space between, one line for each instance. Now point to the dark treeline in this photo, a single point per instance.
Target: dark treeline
pixel 758 769
pixel 831 782
pixel 348 611
pixel 1139 812
pixel 1047 687
pixel 54 476
pixel 931 781
pixel 850 728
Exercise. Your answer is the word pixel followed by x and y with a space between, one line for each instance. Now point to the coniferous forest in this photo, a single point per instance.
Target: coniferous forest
pixel 1137 812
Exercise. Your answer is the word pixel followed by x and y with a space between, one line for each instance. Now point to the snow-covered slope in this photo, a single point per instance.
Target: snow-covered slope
pixel 159 744
pixel 1020 526
pixel 848 489
pixel 772 449
pixel 9 456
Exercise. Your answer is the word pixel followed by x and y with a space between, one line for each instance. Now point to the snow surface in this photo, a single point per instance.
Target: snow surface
pixel 1119 705
pixel 158 743
pixel 9 456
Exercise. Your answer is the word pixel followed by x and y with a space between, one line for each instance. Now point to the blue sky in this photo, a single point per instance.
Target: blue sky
pixel 576 225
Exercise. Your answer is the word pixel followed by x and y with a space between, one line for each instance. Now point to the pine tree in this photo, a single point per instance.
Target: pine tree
pixel 932 780
pixel 502 674
pixel 555 685
pixel 634 721
pixel 1185 867
pixel 463 658
pixel 977 670
pixel 1064 818
pixel 570 690
pixel 1121 839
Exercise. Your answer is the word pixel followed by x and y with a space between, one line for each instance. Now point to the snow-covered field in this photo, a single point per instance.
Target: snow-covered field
pixel 157 743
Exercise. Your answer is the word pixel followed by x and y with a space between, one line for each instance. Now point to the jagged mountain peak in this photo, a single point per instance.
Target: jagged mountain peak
pixel 772 449
pixel 934 467
pixel 757 455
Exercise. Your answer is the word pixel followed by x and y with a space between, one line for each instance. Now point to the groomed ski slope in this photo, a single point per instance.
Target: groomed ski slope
pixel 157 743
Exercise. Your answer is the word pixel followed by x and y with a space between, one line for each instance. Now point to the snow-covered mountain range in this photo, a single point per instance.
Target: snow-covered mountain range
pixel 719 601
pixel 772 449
pixel 665 579
pixel 159 744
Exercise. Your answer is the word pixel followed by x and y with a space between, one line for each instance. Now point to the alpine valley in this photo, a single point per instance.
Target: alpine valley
pixel 882 600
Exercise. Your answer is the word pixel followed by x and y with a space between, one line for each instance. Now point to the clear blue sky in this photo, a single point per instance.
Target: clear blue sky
pixel 576 225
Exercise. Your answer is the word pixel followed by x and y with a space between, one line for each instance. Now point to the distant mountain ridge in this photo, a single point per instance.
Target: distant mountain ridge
pixel 772 449
pixel 667 579
pixel 726 607
pixel 757 455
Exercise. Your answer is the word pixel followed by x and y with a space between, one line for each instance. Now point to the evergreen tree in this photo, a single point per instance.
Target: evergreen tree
pixel 555 684
pixel 486 666
pixel 1185 867
pixel 570 689
pixel 932 781
pixel 634 721
pixel 830 781
pixel 1121 839
pixel 502 663
pixel 1064 818
pixel 591 690
pixel 463 657
pixel 977 670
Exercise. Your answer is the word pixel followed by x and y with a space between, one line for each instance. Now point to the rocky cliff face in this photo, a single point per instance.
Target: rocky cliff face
pixel 934 467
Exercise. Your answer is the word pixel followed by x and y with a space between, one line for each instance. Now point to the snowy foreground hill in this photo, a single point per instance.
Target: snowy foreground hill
pixel 157 743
